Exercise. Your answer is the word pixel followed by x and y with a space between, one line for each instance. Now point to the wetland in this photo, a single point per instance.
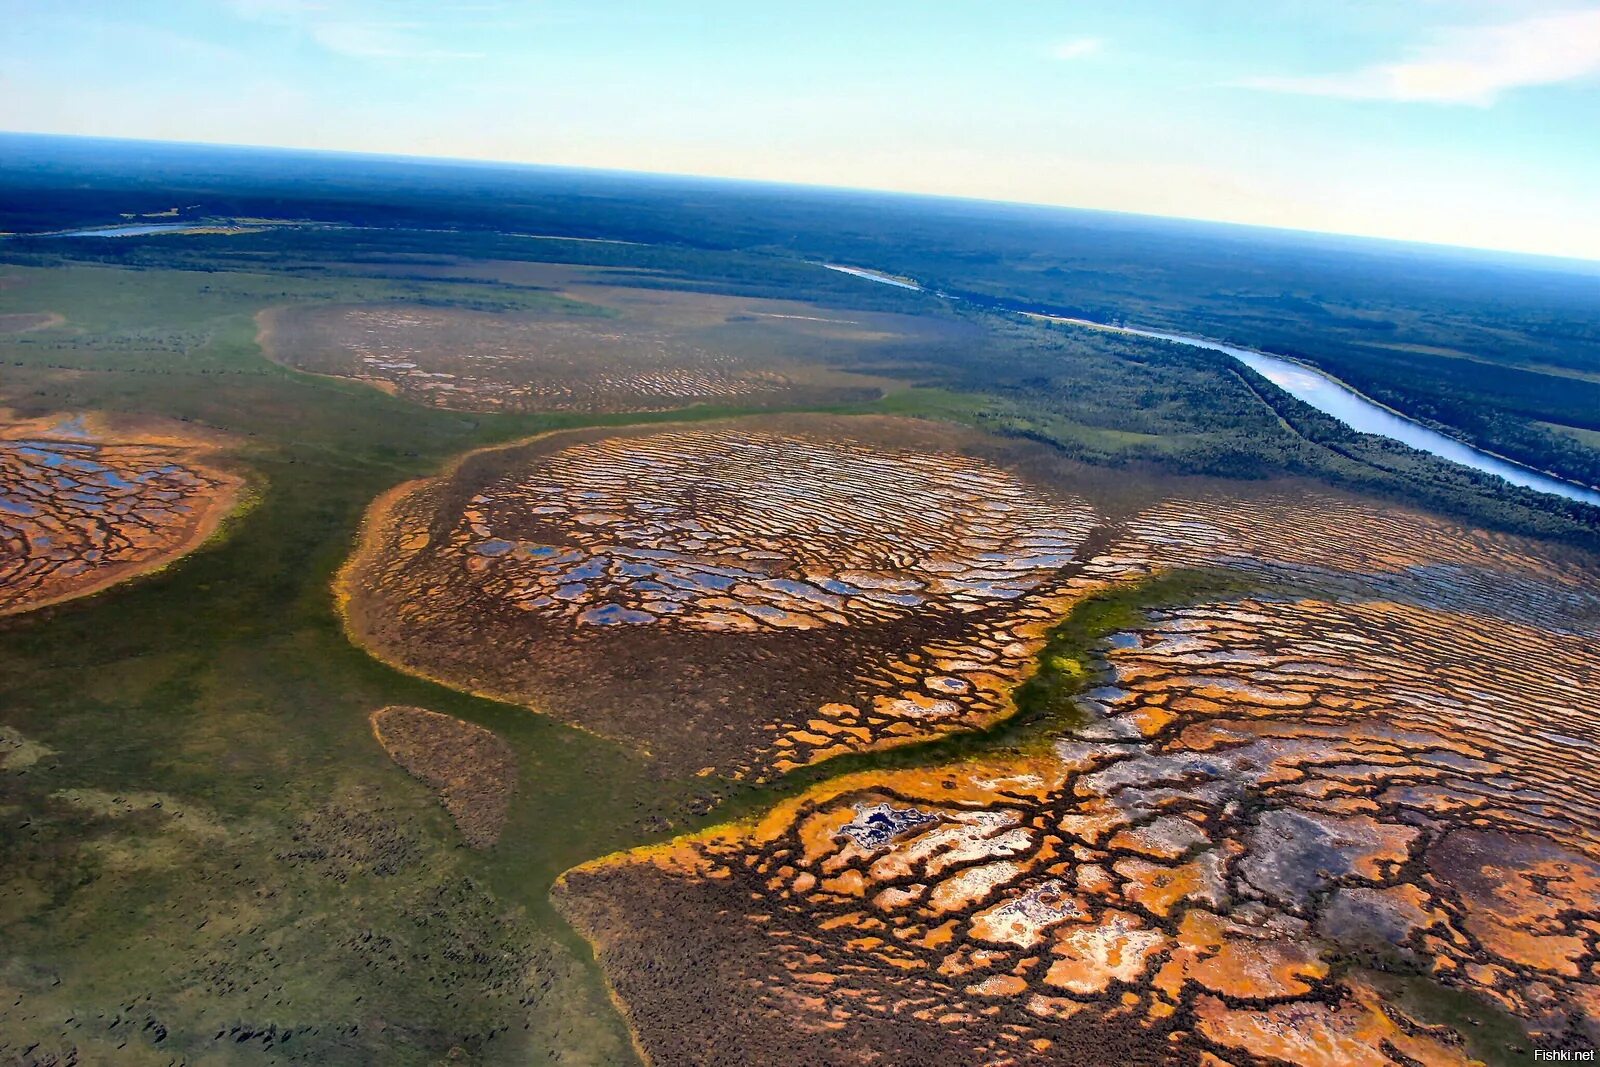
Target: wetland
pixel 1327 394
pixel 838 670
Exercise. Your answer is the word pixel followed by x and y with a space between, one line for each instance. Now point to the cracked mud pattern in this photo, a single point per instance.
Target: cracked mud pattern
pixel 1274 800
pixel 656 352
pixel 748 596
pixel 1355 548
pixel 81 509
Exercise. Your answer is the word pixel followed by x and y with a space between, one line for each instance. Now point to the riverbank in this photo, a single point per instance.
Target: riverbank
pixel 1319 389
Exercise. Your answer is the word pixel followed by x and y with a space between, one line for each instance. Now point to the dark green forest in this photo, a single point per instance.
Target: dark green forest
pixel 1501 351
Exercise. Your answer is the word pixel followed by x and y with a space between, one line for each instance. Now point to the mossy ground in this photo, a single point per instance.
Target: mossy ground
pixel 254 865
pixel 217 853
pixel 224 688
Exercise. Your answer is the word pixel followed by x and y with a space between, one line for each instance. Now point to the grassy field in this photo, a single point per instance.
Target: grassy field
pixel 212 858
pixel 206 855
pixel 1487 347
pixel 283 866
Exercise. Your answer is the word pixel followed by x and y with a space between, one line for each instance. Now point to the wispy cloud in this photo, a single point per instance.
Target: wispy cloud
pixel 1078 47
pixel 381 40
pixel 350 29
pixel 1469 65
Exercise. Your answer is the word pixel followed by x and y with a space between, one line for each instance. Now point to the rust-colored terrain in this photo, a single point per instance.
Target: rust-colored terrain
pixel 611 349
pixel 471 769
pixel 1347 817
pixel 85 505
pixel 746 596
pixel 1338 814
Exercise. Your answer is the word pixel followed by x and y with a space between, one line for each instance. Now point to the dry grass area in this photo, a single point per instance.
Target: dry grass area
pixel 472 770
pixel 25 322
pixel 744 597
pixel 1375 763
pixel 86 503
pixel 609 348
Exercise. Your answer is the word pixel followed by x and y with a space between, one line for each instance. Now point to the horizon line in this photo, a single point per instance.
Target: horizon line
pixel 1585 261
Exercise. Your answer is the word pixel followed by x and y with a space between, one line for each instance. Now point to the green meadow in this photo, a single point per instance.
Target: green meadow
pixel 206 855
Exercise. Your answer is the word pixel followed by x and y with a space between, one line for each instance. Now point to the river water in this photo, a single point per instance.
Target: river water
pixel 1331 397
pixel 875 276
pixel 137 229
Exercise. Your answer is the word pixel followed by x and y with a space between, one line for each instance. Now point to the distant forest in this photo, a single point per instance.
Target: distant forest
pixel 1502 351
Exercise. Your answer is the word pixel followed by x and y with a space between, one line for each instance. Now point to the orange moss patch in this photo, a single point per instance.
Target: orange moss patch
pixel 87 501
pixel 1357 1033
pixel 1116 948
pixel 1386 764
pixel 777 591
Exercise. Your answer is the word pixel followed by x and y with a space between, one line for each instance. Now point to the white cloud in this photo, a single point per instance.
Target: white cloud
pixel 377 40
pixel 1470 65
pixel 342 27
pixel 1078 48
pixel 277 10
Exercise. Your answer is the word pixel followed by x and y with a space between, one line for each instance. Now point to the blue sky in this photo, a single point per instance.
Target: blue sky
pixel 1472 122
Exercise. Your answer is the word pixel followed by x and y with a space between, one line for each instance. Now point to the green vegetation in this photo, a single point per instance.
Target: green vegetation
pixel 1488 1032
pixel 1488 347
pixel 218 845
pixel 217 859
pixel 1045 704
pixel 1047 701
pixel 1588 438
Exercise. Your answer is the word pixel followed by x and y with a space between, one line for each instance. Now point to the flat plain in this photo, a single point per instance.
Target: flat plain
pixel 737 597
pixel 732 668
pixel 601 345
pixel 1279 826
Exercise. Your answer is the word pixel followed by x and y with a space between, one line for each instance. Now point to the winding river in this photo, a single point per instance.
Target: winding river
pixel 137 229
pixel 1328 394
pixel 1331 396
